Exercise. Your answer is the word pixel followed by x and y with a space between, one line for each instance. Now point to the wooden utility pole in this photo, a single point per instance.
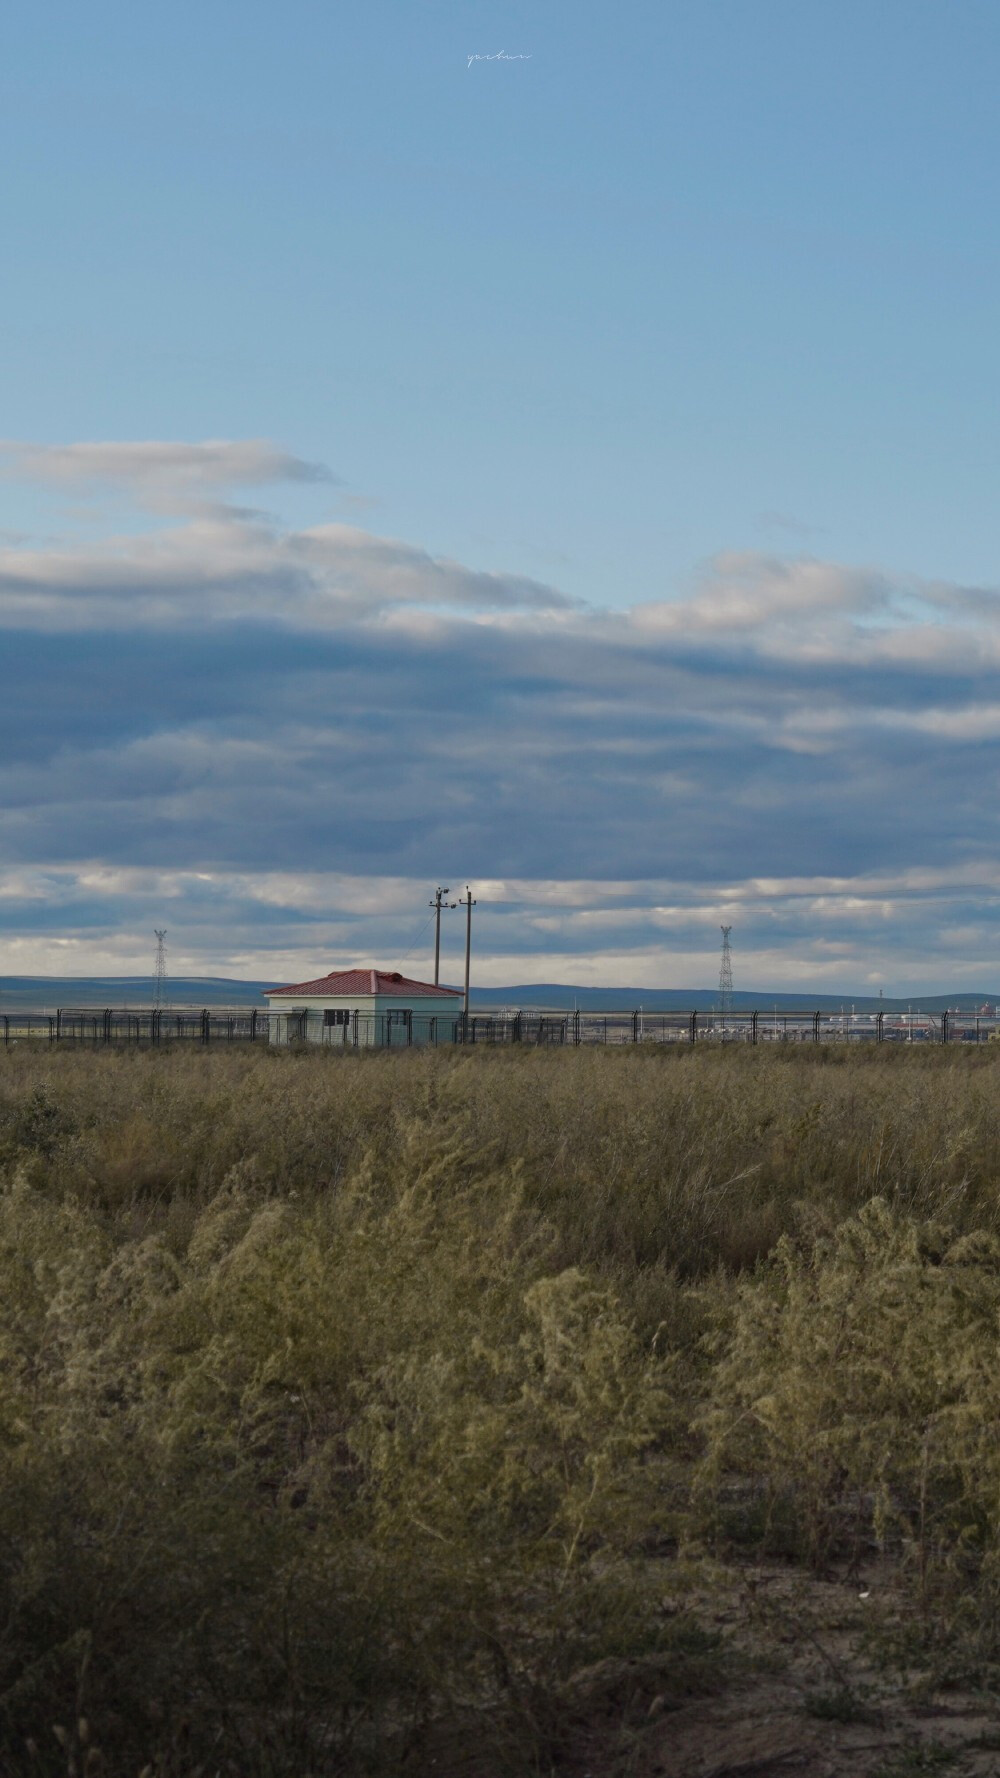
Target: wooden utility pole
pixel 468 904
pixel 437 904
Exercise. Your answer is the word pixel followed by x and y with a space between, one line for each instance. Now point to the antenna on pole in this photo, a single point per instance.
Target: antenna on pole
pixel 725 976
pixel 160 972
pixel 468 904
pixel 437 904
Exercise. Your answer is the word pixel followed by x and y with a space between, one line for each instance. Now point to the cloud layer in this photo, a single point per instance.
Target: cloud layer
pixel 154 469
pixel 284 737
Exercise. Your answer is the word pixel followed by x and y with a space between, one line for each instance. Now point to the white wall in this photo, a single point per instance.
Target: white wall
pixel 371 1012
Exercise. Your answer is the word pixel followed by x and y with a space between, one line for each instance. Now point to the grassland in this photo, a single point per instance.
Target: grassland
pixel 480 1413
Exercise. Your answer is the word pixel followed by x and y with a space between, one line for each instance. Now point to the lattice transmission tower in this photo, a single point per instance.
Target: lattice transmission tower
pixel 160 972
pixel 726 973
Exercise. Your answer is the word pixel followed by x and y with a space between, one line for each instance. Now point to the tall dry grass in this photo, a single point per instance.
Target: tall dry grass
pixel 344 1398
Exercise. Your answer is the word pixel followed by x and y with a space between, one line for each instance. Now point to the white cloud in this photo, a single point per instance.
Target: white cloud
pixel 741 592
pixel 816 613
pixel 157 469
pixel 224 568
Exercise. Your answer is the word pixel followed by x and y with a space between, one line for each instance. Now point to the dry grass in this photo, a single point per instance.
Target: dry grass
pixel 352 1403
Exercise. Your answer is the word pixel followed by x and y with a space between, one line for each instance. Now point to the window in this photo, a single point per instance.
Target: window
pixel 337 1015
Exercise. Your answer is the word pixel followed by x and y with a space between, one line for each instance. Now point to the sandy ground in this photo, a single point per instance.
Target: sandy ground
pixel 805 1698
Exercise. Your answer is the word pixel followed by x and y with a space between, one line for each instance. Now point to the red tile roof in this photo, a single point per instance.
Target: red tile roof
pixel 364 981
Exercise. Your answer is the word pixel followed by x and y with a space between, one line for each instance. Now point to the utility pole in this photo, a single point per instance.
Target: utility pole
pixel 468 904
pixel 437 904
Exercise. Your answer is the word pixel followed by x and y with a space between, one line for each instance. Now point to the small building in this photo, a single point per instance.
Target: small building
pixel 365 1009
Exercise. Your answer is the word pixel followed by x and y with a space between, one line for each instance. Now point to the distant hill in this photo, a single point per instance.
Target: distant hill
pixel 557 996
pixel 38 992
pixel 41 992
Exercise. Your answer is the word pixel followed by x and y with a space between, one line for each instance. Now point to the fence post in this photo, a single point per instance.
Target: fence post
pixel 878 1027
pixel 205 1028
pixel 944 1026
pixel 694 1026
pixel 753 1027
pixel 253 1026
pixel 815 1027
pixel 635 1027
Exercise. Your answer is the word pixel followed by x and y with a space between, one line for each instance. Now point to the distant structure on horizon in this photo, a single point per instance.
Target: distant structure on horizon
pixel 160 971
pixel 726 973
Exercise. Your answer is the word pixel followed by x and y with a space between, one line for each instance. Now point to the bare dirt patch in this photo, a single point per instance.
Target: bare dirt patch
pixel 807 1693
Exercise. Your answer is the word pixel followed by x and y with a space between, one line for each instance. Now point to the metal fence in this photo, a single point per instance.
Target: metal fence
pixel 111 1025
pixel 400 1029
pixel 151 1026
pixel 753 1027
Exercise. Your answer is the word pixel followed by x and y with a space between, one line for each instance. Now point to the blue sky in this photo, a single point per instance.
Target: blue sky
pixel 571 471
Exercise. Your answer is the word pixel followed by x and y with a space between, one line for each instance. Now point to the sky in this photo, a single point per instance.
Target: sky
pixel 548 448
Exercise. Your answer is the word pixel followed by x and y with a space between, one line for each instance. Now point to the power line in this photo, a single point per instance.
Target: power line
pixel 415 943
